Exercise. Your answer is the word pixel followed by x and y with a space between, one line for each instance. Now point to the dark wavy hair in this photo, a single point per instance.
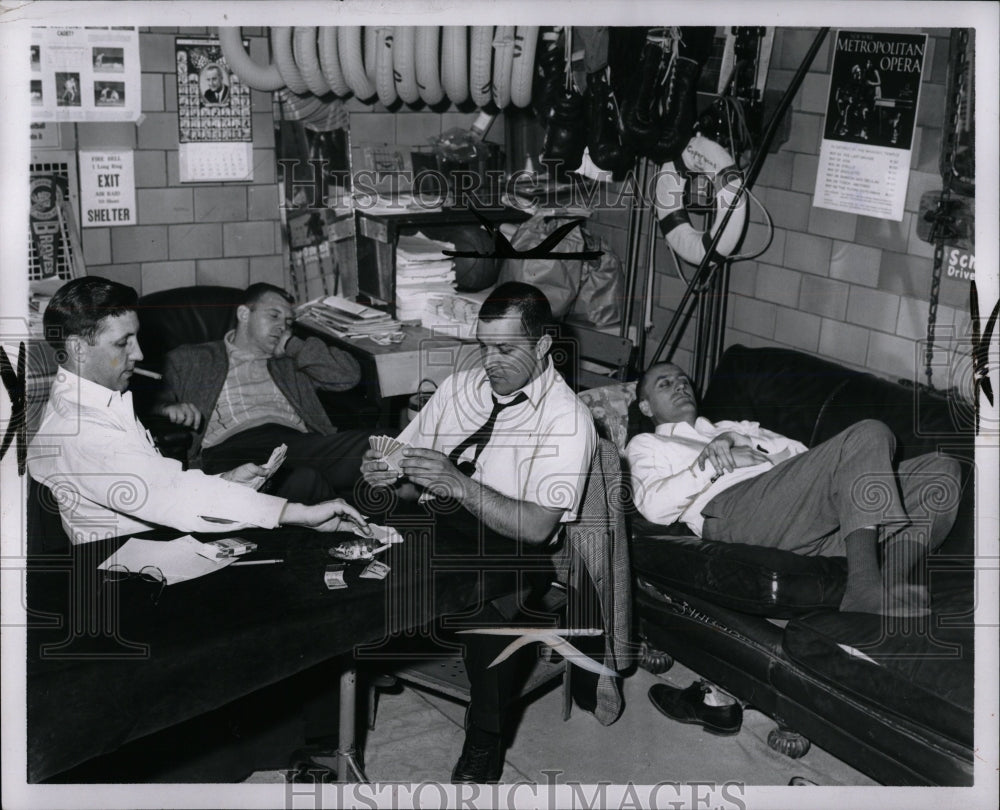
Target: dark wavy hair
pixel 80 306
pixel 528 301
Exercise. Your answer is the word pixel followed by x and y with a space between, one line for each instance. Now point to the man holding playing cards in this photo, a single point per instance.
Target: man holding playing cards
pixel 511 443
pixel 100 462
pixel 255 390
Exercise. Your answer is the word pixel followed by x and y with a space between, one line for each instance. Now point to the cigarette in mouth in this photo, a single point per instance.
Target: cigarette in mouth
pixel 144 373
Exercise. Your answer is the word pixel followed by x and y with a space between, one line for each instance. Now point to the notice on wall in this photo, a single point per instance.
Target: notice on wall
pixel 213 115
pixel 45 136
pixel 107 188
pixel 864 159
pixel 85 74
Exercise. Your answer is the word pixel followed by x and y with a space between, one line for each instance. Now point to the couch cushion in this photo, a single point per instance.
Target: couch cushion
pixel 763 581
pixel 921 669
pixel 782 389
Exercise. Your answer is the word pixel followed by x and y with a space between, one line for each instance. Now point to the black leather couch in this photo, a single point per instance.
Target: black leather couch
pixel 894 698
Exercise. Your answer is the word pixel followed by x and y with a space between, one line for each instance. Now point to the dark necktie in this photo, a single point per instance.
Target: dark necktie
pixel 481 437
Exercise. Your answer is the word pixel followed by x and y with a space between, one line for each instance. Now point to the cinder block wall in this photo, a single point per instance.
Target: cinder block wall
pixel 217 233
pixel 190 233
pixel 851 288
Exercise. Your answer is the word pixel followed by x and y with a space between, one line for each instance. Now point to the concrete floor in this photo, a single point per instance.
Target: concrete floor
pixel 418 737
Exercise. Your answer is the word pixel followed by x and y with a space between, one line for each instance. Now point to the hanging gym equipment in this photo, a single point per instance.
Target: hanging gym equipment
pixel 410 63
pixel 329 59
pixel 281 47
pixel 503 60
pixel 480 64
pixel 307 59
pixel 707 266
pixel 704 157
pixel 404 66
pixel 251 74
pixel 428 64
pixel 523 67
pixel 349 46
pixel 455 63
pixel 385 81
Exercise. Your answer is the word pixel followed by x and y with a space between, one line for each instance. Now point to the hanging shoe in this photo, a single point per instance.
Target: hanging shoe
pixel 604 137
pixel 565 134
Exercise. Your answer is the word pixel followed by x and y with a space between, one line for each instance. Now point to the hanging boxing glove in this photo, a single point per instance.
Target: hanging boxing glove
pixel 642 112
pixel 604 137
pixel 696 43
pixel 680 109
pixel 550 72
pixel 565 134
pixel 676 125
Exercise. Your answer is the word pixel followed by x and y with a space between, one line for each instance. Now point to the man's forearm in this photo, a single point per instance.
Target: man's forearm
pixel 329 368
pixel 519 520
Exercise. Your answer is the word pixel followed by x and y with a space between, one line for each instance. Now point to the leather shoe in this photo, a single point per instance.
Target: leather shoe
pixel 688 706
pixel 480 763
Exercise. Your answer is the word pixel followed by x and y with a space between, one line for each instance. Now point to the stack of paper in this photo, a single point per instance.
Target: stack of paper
pixel 453 314
pixel 423 272
pixel 343 318
pixel 173 561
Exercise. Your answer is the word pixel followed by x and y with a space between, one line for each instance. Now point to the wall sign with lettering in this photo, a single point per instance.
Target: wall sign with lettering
pixel 107 188
pixel 864 159
pixel 85 74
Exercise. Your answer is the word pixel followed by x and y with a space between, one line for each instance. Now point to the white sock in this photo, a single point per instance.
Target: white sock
pixel 713 697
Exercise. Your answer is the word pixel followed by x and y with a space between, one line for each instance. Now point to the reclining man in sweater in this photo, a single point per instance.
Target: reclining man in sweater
pixel 737 482
pixel 256 389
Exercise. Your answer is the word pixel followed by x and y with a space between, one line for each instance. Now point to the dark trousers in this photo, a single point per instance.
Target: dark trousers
pixel 525 574
pixel 316 468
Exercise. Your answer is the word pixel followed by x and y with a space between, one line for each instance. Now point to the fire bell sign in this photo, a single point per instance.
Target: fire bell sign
pixel 107 188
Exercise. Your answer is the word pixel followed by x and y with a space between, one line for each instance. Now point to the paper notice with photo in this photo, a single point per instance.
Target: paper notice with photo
pixel 177 560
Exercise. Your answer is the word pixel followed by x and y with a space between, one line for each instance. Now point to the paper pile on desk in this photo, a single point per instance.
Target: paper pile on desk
pixel 172 561
pixel 423 271
pixel 454 314
pixel 342 318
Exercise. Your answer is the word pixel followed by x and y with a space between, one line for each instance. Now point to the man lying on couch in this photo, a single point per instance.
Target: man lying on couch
pixel 738 482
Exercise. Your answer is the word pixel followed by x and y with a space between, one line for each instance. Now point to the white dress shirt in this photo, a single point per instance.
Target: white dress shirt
pixel 540 450
pixel 109 479
pixel 668 486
